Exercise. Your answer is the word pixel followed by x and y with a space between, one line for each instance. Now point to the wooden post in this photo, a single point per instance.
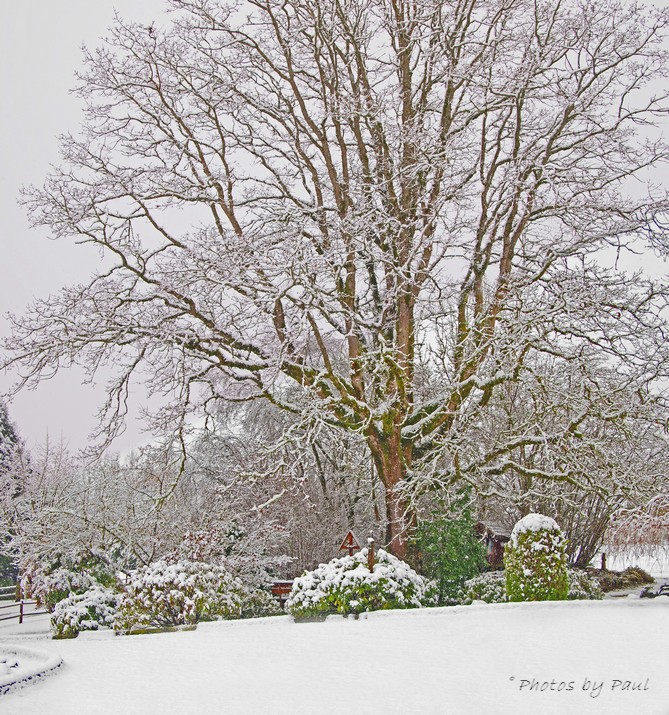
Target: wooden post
pixel 21 611
pixel 370 554
pixel 603 561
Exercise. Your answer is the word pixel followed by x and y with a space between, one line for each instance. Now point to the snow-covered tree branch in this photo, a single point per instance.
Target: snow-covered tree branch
pixel 398 208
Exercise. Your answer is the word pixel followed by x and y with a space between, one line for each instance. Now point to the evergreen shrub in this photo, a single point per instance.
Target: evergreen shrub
pixel 86 611
pixel 582 587
pixel 489 587
pixel 449 552
pixel 535 562
pixel 346 585
pixel 166 594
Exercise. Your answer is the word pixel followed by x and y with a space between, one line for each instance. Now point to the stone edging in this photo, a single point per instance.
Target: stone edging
pixel 46 665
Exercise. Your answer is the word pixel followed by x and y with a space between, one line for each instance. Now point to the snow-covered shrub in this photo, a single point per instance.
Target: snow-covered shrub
pixel 535 561
pixel 346 585
pixel 489 587
pixel 583 587
pixel 48 587
pixel 173 594
pixel 258 603
pixel 84 612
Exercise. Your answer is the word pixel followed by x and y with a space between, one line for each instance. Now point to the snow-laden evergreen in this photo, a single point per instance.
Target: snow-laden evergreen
pixel 535 561
pixel 346 585
pixel 86 611
pixel 172 594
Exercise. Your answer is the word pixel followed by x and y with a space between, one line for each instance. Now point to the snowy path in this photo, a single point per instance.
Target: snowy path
pixel 463 660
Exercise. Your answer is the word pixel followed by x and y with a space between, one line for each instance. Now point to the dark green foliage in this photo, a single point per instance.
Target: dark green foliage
pixel 8 571
pixel 582 587
pixel 449 552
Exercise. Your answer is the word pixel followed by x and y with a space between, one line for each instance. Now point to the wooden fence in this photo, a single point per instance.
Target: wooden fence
pixel 21 609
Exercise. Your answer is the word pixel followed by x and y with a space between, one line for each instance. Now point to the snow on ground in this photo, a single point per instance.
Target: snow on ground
pixel 576 657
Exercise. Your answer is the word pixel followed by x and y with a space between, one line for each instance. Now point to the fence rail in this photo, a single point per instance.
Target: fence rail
pixel 20 608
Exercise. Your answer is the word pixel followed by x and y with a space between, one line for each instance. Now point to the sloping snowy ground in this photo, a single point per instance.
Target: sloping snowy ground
pixel 576 657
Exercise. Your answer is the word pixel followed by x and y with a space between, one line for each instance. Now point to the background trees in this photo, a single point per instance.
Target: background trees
pixel 377 216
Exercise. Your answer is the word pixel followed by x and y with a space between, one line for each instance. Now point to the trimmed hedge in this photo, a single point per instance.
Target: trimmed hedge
pixel 535 561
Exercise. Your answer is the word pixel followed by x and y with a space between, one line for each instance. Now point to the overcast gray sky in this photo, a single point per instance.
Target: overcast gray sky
pixel 40 49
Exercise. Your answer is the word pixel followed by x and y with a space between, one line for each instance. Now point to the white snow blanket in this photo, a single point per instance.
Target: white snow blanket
pixel 600 657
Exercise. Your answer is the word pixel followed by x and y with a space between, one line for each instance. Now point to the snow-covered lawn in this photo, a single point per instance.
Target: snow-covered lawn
pixel 575 657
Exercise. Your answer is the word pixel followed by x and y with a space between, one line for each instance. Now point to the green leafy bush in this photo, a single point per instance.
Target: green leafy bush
pixel 535 561
pixel 449 553
pixel 489 587
pixel 258 603
pixel 346 586
pixel 50 586
pixel 49 582
pixel 173 594
pixel 84 612
pixel 582 587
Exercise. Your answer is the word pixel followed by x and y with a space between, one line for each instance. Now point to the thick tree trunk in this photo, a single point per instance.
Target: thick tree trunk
pixel 392 460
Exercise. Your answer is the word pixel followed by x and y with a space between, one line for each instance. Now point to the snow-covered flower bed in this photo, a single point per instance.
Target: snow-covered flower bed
pixel 346 585
pixel 173 594
pixel 85 612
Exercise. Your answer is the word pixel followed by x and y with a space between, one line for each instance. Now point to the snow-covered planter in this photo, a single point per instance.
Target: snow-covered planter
pixel 174 594
pixel 84 612
pixel 346 585
pixel 489 587
pixel 535 561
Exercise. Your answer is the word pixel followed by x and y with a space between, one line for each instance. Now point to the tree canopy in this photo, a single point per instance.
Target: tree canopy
pixel 378 215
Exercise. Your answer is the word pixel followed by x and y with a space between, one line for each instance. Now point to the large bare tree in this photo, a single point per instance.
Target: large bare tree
pixel 388 204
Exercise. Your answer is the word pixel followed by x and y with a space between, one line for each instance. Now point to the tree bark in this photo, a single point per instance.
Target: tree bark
pixel 392 459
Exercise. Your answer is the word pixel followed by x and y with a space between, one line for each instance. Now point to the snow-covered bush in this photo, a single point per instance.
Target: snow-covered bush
pixel 583 587
pixel 49 586
pixel 346 585
pixel 173 594
pixel 489 587
pixel 258 603
pixel 535 561
pixel 84 612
